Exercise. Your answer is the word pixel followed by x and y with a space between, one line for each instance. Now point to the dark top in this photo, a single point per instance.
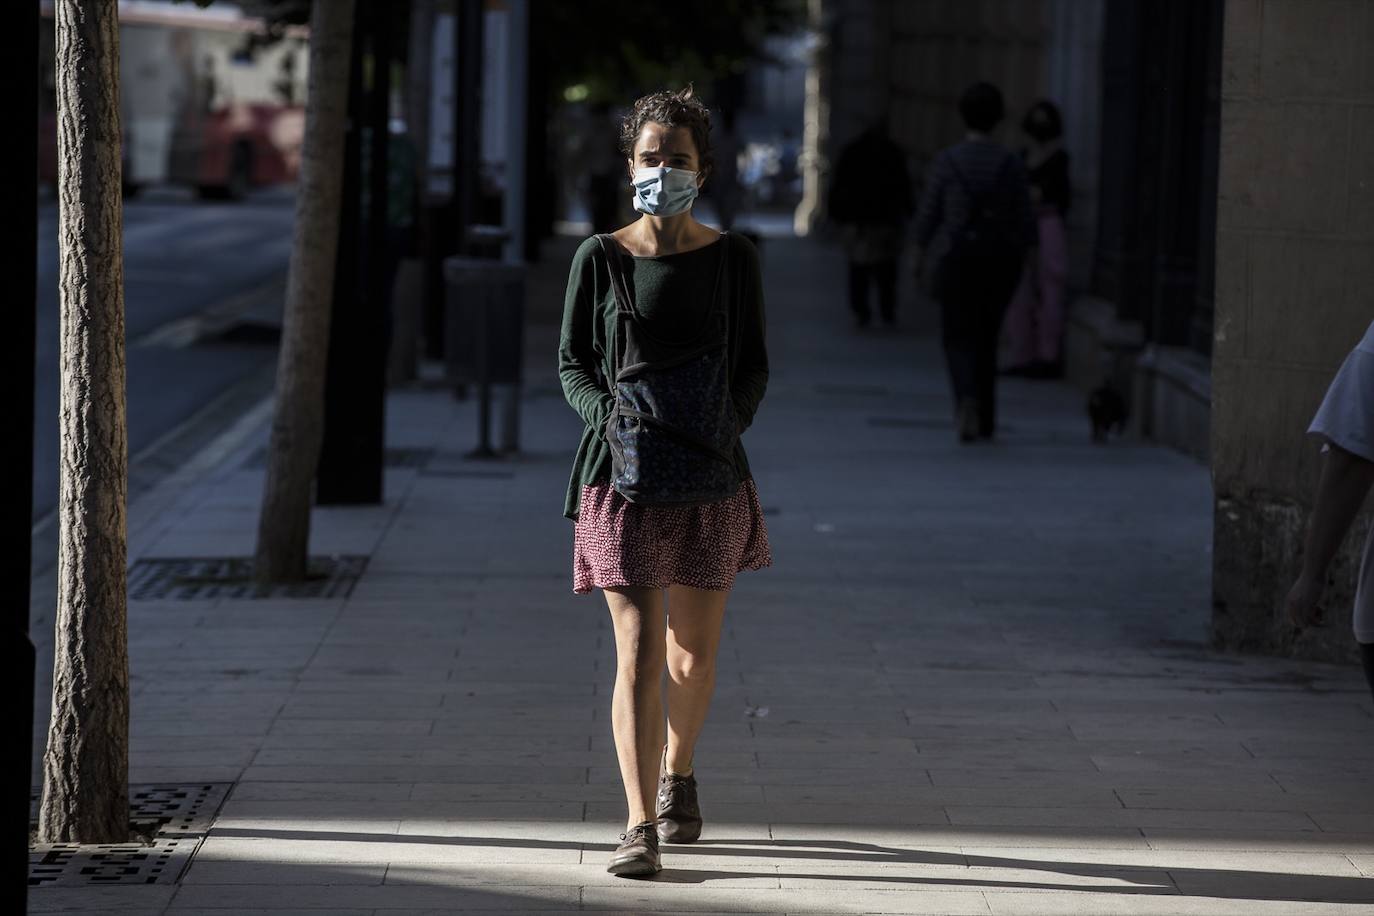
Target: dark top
pixel 990 171
pixel 1051 179
pixel 871 184
pixel 672 293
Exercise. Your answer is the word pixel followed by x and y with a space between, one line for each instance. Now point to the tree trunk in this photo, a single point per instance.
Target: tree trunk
pixel 298 420
pixel 86 766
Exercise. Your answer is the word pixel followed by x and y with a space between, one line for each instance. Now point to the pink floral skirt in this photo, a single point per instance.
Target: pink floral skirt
pixel 618 543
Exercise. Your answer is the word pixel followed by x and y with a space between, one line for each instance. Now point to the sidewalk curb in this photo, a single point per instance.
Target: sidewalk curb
pixel 189 330
pixel 197 447
pixel 161 472
pixel 166 454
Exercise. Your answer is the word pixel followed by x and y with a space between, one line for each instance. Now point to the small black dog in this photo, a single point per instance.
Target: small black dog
pixel 1106 409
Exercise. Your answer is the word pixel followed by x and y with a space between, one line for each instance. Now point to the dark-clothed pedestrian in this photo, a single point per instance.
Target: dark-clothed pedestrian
pixel 975 226
pixel 870 202
pixel 662 356
pixel 1035 318
pixel 1345 424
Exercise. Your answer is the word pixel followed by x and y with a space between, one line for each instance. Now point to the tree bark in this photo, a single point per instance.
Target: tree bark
pixel 86 765
pixel 298 419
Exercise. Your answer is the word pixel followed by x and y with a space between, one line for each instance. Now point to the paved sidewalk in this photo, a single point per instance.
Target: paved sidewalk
pixel 974 681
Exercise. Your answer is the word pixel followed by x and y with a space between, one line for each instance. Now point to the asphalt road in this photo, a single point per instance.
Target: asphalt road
pixel 182 257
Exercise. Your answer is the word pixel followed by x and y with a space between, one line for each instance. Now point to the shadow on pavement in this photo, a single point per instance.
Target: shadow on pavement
pixel 1231 884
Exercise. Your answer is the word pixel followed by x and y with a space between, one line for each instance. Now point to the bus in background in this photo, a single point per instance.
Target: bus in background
pixel 208 98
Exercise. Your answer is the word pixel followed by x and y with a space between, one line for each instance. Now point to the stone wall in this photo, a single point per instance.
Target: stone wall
pixel 912 59
pixel 1031 49
pixel 941 47
pixel 1294 292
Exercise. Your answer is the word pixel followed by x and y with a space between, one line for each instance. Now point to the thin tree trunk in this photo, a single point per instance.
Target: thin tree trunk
pixel 86 766
pixel 298 420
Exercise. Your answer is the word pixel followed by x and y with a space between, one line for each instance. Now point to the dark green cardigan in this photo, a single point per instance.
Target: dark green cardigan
pixel 589 322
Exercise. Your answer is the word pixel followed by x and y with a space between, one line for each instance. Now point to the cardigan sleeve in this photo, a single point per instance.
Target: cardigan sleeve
pixel 580 349
pixel 750 377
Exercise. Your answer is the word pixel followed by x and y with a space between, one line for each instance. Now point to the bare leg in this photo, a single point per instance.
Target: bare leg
pixel 694 621
pixel 637 615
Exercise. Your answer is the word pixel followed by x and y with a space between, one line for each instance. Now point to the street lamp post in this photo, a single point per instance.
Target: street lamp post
pixel 351 470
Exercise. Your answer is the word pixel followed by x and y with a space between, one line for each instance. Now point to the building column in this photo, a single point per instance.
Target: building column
pixel 1073 68
pixel 1295 217
pixel 1160 65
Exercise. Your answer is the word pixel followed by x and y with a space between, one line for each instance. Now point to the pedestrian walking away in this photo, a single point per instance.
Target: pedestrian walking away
pixel 662 355
pixel 1035 318
pixel 975 227
pixel 870 201
pixel 1345 424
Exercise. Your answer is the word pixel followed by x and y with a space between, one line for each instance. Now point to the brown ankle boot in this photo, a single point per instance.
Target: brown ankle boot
pixel 637 854
pixel 678 814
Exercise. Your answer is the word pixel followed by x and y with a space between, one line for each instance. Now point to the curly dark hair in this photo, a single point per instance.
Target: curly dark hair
pixel 681 108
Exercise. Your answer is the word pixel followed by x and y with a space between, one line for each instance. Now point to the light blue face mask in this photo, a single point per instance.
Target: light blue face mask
pixel 663 191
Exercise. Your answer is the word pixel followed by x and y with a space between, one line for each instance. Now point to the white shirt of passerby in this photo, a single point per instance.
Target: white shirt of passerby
pixel 1346 419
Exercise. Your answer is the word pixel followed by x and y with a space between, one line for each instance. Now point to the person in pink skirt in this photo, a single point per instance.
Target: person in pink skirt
pixel 666 570
pixel 1035 318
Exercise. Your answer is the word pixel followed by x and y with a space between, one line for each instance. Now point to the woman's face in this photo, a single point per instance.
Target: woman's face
pixel 1037 126
pixel 659 146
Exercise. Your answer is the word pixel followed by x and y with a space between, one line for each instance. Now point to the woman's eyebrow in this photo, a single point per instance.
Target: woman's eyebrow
pixel 663 154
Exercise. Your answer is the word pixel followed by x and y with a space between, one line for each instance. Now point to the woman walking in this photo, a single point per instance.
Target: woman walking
pixel 1035 318
pixel 662 356
pixel 975 222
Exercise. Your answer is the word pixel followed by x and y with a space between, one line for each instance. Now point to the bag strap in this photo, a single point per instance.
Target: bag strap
pixel 616 266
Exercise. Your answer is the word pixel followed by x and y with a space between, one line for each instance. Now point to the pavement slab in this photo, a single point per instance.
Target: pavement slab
pixel 975 679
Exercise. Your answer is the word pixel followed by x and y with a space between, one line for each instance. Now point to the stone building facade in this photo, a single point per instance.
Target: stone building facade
pixel 1295 292
pixel 1221 229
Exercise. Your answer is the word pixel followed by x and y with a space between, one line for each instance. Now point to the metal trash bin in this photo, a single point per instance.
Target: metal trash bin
pixel 484 339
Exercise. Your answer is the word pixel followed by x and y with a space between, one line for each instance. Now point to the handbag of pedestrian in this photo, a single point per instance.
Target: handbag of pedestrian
pixel 672 430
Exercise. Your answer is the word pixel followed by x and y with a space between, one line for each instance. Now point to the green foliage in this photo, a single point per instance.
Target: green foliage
pixel 612 50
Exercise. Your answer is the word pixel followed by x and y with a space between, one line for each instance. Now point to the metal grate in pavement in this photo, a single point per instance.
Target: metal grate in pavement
pixel 173 811
pixel 204 578
pixel 71 865
pixel 391 458
pixel 176 817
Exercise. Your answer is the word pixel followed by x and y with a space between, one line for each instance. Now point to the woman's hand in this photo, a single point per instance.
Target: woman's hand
pixel 1301 603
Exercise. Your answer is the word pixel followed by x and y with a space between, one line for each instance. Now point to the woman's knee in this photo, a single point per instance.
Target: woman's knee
pixel 691 668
